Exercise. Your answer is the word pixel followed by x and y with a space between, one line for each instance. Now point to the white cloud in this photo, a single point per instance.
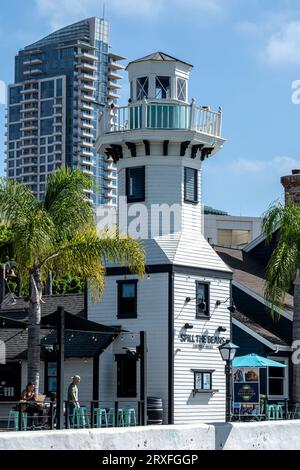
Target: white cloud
pixel 63 12
pixel 274 37
pixel 283 47
pixel 280 165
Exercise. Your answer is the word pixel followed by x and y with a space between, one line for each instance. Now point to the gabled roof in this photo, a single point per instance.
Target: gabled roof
pixel 159 56
pixel 258 331
pixel 249 272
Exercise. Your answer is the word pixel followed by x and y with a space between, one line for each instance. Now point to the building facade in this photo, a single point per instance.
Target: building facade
pixel 62 84
pixel 232 231
pixel 158 143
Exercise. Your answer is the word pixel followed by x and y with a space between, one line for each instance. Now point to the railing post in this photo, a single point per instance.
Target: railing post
pixel 20 417
pixel 193 115
pixel 143 124
pixel 116 413
pixel 219 126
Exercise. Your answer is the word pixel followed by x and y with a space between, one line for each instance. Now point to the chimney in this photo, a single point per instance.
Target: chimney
pixel 291 186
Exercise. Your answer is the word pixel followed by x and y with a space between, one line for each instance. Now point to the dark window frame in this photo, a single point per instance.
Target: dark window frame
pixel 122 360
pixel 120 285
pixel 132 198
pixel 195 199
pixel 202 372
pixel 203 316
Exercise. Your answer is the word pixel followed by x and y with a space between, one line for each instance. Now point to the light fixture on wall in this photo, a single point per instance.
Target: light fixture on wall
pixel 231 308
pixel 188 326
pixel 222 329
pixel 201 305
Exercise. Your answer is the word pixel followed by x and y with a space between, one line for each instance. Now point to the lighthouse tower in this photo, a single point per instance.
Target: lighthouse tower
pixel 159 142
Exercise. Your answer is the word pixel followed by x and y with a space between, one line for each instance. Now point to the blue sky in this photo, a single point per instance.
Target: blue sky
pixel 246 55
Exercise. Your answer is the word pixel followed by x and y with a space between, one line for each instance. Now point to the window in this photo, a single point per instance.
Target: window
pixel 181 89
pixel 227 237
pixel 142 85
pixel 135 184
pixel 202 380
pixel 202 300
pixel 15 95
pixel 47 108
pixel 127 299
pixel 191 185
pixel 10 383
pixel 47 89
pixel 50 377
pixel 46 126
pixel 59 87
pixel 278 380
pixel 162 88
pixel 126 376
pixel 14 113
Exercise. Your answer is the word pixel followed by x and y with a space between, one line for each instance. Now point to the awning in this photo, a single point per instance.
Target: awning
pixel 253 360
pixel 75 323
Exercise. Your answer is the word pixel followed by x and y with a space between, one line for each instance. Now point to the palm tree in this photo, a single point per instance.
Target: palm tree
pixel 59 235
pixel 283 270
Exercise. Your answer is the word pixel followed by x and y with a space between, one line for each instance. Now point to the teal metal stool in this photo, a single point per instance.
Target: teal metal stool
pixel 271 412
pixel 279 411
pixel 80 418
pixel 14 417
pixel 129 417
pixel 100 415
pixel 111 417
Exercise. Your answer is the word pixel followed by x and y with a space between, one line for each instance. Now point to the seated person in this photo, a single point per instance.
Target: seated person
pixel 31 407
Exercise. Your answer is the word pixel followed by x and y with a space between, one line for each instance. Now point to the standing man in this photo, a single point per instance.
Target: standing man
pixel 73 396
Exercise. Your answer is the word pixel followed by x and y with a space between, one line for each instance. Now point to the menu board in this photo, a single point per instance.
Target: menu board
pixel 246 391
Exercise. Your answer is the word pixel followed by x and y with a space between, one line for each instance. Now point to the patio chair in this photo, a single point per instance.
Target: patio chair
pixel 13 417
pixel 100 416
pixel 294 412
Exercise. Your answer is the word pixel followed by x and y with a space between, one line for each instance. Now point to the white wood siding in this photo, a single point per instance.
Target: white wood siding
pixel 152 297
pixel 201 408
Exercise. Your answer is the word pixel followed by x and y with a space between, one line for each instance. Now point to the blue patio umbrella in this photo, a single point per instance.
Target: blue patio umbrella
pixel 253 360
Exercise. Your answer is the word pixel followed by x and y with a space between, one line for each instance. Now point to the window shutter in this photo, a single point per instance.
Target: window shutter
pixel 190 185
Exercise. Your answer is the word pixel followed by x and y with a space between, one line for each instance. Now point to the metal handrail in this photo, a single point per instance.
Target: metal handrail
pixel 162 114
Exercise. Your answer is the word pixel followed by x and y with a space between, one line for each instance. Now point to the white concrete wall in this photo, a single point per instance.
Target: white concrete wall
pixel 236 436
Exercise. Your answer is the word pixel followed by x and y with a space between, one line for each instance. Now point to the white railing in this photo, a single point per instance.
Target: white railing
pixel 163 115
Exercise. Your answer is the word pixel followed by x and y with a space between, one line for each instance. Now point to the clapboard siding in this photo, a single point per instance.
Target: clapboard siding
pixel 152 318
pixel 203 408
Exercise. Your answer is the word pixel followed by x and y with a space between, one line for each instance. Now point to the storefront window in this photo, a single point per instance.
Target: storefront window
pixel 278 380
pixel 10 381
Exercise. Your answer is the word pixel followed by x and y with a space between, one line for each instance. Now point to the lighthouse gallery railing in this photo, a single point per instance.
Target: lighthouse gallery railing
pixel 158 115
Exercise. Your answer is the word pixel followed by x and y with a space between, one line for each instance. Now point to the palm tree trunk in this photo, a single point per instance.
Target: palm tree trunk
pixel 34 349
pixel 296 337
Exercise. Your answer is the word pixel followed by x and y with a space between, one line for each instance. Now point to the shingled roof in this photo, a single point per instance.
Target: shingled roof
pixel 249 271
pixel 161 57
pixel 72 303
pixel 258 329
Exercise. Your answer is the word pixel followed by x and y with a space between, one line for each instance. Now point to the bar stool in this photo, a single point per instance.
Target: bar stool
pixel 129 417
pixel 111 417
pixel 100 414
pixel 271 412
pixel 279 411
pixel 80 418
pixel 14 417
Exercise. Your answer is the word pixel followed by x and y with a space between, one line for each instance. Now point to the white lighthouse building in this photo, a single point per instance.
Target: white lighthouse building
pixel 159 143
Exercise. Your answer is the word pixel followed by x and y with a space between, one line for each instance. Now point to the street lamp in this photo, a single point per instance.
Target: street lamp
pixel 228 351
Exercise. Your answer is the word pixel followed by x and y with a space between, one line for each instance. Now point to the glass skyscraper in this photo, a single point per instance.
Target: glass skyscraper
pixel 62 84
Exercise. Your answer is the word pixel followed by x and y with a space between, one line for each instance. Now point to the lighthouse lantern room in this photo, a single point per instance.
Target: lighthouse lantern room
pixel 159 142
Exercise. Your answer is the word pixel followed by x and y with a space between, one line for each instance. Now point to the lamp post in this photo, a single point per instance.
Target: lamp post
pixel 228 351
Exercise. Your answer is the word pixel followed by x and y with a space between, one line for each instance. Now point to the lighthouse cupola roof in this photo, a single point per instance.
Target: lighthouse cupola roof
pixel 159 76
